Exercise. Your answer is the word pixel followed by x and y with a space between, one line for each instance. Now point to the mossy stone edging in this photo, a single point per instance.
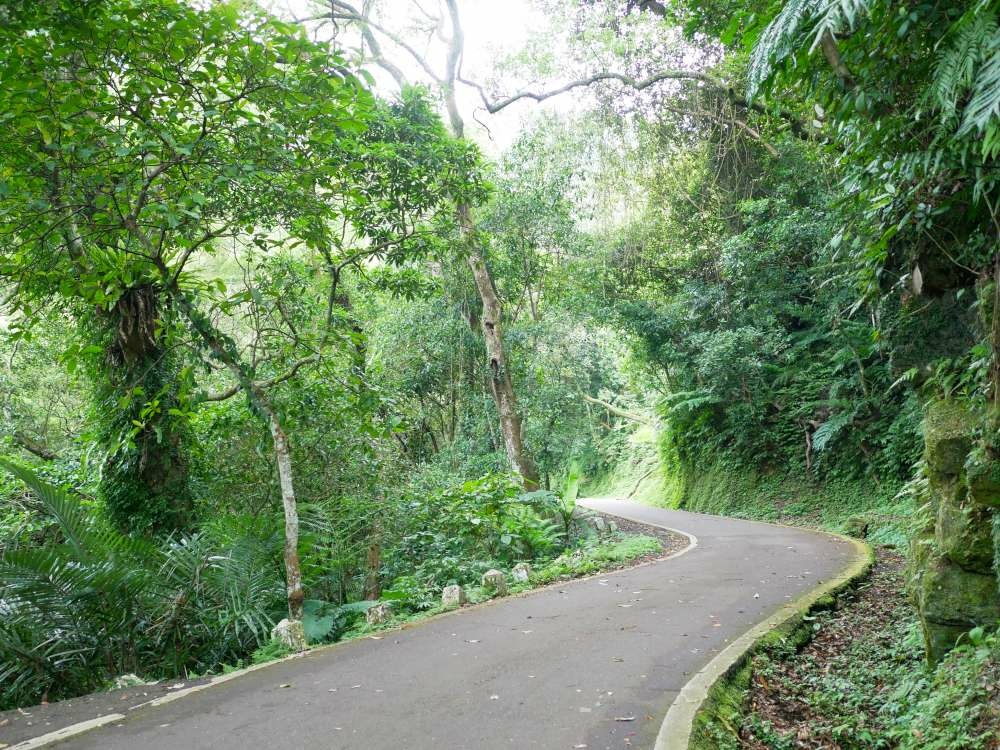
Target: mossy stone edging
pixel 714 695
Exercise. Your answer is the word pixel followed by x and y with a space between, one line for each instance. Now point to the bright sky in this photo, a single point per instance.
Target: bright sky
pixel 492 28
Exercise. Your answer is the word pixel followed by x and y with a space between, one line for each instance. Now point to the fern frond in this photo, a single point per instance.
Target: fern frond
pixel 64 509
pixel 983 108
pixel 777 41
pixel 968 45
pixel 839 17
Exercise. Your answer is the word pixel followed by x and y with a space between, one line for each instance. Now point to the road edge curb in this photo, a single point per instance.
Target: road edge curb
pixel 676 730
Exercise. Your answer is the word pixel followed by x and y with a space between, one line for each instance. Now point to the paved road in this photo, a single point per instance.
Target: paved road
pixel 556 669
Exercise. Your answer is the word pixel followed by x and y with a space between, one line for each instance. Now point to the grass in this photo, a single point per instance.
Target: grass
pixel 593 559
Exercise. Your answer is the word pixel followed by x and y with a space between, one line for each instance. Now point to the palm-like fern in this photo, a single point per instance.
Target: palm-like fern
pixel 101 603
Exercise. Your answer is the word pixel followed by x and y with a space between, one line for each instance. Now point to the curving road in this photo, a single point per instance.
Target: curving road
pixel 592 663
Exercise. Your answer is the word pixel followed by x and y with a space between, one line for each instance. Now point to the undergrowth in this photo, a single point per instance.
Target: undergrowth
pixel 858 507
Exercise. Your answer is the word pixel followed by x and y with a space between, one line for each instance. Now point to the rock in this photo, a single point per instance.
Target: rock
pixel 290 633
pixel 948 430
pixel 984 482
pixel 599 524
pixel 495 581
pixel 378 613
pixel 127 681
pixel 856 526
pixel 950 600
pixel 964 532
pixel 521 572
pixel 453 596
pixel 612 527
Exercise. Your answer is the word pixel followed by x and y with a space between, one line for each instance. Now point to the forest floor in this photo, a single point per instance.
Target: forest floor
pixel 861 681
pixel 21 724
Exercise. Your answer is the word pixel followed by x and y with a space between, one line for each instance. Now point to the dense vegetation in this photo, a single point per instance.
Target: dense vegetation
pixel 281 341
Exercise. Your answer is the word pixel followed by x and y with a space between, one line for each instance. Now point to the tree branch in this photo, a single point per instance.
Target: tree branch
pixel 618 411
pixel 725 89
pixel 33 446
pixel 832 54
pixel 288 375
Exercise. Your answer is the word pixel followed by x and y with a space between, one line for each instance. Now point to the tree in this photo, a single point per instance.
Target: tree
pixel 491 317
pixel 127 162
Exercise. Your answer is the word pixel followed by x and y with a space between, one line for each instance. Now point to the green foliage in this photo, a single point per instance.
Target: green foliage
pixel 838 504
pixel 593 556
pixel 947 707
pixel 96 603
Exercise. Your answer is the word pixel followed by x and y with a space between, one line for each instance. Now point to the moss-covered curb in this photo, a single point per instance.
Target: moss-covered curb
pixel 713 697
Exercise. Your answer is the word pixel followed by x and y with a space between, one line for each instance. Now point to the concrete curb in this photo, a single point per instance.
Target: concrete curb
pixel 675 732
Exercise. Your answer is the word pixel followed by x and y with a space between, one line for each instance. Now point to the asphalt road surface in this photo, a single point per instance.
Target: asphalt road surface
pixel 592 663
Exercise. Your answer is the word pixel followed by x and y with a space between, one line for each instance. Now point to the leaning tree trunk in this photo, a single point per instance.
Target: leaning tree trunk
pixel 225 351
pixel 501 384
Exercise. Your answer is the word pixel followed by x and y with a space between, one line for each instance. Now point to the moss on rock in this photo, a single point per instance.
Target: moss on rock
pixel 950 600
pixel 964 532
pixel 983 477
pixel 948 430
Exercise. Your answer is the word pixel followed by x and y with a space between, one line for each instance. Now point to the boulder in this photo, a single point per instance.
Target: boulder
pixel 612 527
pixel 290 633
pixel 127 681
pixel 599 524
pixel 984 482
pixel 495 581
pixel 948 429
pixel 379 613
pixel 521 572
pixel 964 532
pixel 857 526
pixel 950 600
pixel 453 596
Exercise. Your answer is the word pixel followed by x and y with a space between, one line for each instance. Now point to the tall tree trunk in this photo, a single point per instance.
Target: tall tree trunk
pixel 293 569
pixel 373 585
pixel 501 384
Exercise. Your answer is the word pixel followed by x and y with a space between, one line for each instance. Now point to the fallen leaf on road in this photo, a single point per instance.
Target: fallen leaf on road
pixel 494 697
pixel 475 640
pixel 285 685
pixel 624 718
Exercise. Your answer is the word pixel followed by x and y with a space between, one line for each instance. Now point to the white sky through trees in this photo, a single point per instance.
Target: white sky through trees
pixel 494 29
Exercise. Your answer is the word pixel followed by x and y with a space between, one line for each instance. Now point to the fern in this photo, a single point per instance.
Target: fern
pixel 838 17
pixel 968 69
pixel 984 107
pixel 788 31
pixel 76 614
pixel 777 41
pixel 828 431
